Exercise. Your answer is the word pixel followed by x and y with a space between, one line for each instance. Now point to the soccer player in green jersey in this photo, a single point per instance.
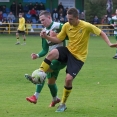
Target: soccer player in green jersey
pixel 113 22
pixel 46 20
pixel 21 29
pixel 75 53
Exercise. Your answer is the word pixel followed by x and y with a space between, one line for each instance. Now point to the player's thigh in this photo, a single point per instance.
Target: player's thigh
pixel 17 33
pixel 23 33
pixel 57 65
pixel 53 74
pixel 73 66
pixel 63 54
pixel 53 54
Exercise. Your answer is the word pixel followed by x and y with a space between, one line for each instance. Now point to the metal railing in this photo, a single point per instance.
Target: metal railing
pixel 12 28
pixel 36 28
pixel 108 29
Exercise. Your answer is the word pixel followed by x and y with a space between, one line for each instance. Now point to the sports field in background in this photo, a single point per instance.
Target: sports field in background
pixel 94 91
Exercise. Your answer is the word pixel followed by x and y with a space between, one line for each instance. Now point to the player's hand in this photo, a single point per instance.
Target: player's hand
pixel 113 45
pixel 43 34
pixel 53 34
pixel 34 56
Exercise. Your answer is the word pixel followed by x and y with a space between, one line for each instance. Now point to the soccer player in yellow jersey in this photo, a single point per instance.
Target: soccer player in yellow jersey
pixel 21 29
pixel 75 53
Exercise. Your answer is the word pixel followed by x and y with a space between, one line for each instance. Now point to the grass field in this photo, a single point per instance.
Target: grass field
pixel 94 91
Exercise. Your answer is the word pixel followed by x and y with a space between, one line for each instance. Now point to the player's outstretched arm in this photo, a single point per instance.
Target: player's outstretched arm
pixel 106 39
pixel 52 39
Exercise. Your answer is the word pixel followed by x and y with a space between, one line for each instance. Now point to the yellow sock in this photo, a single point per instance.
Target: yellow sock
pixel 45 65
pixel 66 93
pixel 18 39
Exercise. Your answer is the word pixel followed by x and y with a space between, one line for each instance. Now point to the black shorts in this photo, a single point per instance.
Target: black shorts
pixel 73 65
pixel 21 32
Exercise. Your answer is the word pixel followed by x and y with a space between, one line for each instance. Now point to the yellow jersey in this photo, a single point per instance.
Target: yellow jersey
pixel 78 38
pixel 21 26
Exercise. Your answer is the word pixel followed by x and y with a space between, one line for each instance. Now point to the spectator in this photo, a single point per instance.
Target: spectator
pixel 60 6
pixel 28 16
pixel 33 12
pixel 37 6
pixel 37 16
pixel 20 8
pixel 0 8
pixel 11 16
pixel 26 8
pixel 65 14
pixel 82 16
pixel 41 6
pixel 61 12
pixel 4 9
pixel 30 6
pixel 1 16
pixel 95 20
pixel 104 21
pixel 10 20
pixel 61 18
pixel 3 25
pixel 55 14
pixel 13 8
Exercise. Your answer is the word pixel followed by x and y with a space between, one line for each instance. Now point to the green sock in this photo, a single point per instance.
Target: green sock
pixel 53 89
pixel 116 51
pixel 39 87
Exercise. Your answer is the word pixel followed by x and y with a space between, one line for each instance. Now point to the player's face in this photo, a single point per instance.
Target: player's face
pixel 45 20
pixel 20 15
pixel 72 20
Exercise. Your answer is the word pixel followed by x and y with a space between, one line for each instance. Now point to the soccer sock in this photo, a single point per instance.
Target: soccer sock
pixel 45 65
pixel 116 51
pixel 66 93
pixel 38 89
pixel 116 40
pixel 18 39
pixel 24 40
pixel 53 90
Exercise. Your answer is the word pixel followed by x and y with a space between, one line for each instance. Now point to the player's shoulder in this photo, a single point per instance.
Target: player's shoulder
pixel 57 23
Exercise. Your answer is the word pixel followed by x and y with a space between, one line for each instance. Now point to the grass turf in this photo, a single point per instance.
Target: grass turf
pixel 94 89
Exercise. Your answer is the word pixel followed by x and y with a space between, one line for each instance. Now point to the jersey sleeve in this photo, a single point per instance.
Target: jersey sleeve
pixel 45 48
pixel 111 21
pixel 62 34
pixel 93 29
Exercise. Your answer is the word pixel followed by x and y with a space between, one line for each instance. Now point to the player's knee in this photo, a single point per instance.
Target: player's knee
pixel 53 54
pixel 51 81
pixel 16 34
pixel 68 80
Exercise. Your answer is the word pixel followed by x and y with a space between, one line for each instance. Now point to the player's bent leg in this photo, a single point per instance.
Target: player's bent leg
pixel 53 90
pixel 24 39
pixel 34 98
pixel 17 36
pixel 66 92
pixel 53 54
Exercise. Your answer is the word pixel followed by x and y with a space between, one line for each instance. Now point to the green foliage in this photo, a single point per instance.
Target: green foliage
pixel 97 7
pixel 94 91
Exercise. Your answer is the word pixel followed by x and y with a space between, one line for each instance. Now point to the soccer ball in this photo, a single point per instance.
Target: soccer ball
pixel 38 76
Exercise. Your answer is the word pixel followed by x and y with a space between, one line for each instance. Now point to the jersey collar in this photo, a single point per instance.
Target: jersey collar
pixel 50 26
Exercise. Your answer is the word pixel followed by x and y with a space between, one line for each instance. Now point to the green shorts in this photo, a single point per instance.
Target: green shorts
pixel 56 66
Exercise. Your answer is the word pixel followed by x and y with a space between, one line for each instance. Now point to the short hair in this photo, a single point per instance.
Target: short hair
pixel 46 13
pixel 20 14
pixel 73 11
